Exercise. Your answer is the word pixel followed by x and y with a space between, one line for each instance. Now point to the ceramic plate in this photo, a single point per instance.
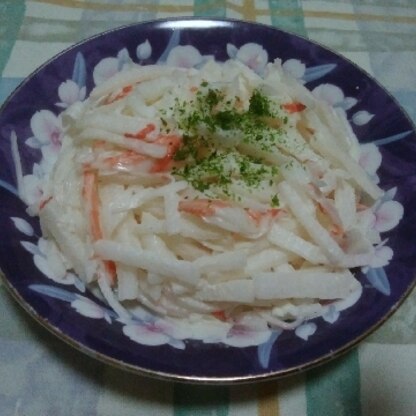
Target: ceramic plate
pixel 150 346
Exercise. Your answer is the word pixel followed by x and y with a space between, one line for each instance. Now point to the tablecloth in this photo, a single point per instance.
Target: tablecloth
pixel 42 376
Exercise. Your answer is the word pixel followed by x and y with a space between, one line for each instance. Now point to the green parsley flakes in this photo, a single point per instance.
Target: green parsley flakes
pixel 221 139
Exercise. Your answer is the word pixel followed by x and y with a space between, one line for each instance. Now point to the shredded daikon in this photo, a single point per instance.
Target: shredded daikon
pixel 213 193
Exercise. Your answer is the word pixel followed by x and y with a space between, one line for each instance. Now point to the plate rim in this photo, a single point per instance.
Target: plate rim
pixel 191 379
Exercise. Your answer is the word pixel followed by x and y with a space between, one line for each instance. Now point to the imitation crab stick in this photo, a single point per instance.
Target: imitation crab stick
pixel 143 133
pixel 124 160
pixel 129 158
pixel 202 207
pixel 92 202
pixel 172 142
pixel 294 107
pixel 123 93
pixel 257 216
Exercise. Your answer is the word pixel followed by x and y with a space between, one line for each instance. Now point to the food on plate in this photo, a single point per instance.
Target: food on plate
pixel 213 194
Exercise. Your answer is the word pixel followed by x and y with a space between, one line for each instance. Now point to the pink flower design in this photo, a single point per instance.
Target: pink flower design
pixel 245 336
pixel 69 93
pixel 184 57
pixel 151 333
pixel 387 215
pixel 47 129
pixel 254 56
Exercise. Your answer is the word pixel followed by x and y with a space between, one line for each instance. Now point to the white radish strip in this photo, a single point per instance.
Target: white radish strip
pixel 152 225
pixel 111 299
pixel 360 176
pixel 195 305
pixel 221 262
pixel 346 204
pixel 142 196
pixel 357 260
pixel 147 149
pixel 172 215
pixel 119 124
pixel 304 284
pixel 155 244
pixel 128 77
pixel 332 125
pixel 74 248
pixel 234 219
pixel 265 260
pixel 241 291
pixel 284 268
pixel 154 89
pixel 127 282
pixel 181 270
pixel 289 241
pixel 316 231
pixel 146 302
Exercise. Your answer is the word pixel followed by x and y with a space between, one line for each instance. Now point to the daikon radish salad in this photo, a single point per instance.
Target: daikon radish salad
pixel 211 195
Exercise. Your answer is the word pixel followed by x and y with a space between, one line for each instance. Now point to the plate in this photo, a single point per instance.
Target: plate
pixel 149 346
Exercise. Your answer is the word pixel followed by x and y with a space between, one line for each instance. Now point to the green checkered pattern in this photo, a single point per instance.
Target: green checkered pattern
pixel 39 375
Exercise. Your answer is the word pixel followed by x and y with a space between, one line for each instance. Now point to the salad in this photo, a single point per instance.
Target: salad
pixel 212 194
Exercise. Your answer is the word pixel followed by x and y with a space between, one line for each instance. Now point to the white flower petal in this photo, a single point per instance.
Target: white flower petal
pixel 46 126
pixel 254 56
pixel 23 226
pixel 144 50
pixel 304 331
pixel 184 57
pixel 246 337
pixel 68 92
pixel 42 264
pixel 349 102
pixel 30 247
pixel 32 189
pixel 88 308
pixel 231 50
pixel 105 69
pixel 370 158
pixel 78 283
pixel 145 334
pixel 382 257
pixel 49 157
pixel 362 117
pixel 33 142
pixel 295 67
pixel 123 58
pixel 388 216
pixel 329 93
pixel 331 315
pixel 82 93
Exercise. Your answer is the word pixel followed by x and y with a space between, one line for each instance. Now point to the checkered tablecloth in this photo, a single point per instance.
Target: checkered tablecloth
pixel 41 376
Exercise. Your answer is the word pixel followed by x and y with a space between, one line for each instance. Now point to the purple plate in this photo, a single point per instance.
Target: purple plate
pixel 147 345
